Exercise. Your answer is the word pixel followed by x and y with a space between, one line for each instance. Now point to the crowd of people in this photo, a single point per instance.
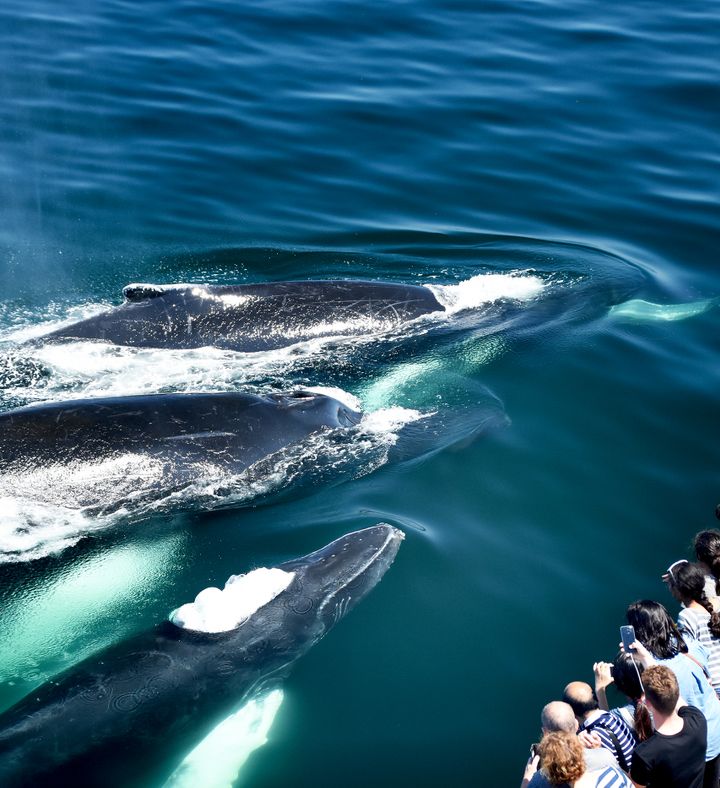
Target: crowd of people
pixel 667 734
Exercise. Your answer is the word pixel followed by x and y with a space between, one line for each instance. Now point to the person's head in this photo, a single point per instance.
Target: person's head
pixel 655 629
pixel 686 582
pixel 581 698
pixel 707 550
pixel 661 689
pixel 626 675
pixel 558 716
pixel 561 758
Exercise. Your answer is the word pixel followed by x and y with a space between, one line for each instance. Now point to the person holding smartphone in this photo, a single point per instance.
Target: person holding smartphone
pixel 659 641
pixel 558 717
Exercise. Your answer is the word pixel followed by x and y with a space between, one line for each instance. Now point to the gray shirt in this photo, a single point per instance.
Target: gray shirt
pixel 599 758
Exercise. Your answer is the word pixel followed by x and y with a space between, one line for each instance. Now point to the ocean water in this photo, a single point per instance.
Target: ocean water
pixel 571 451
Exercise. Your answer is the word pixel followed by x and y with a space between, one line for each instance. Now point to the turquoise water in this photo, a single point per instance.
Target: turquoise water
pixel 572 454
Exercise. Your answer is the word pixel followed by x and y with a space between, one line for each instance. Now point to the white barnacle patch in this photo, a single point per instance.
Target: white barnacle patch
pixel 216 610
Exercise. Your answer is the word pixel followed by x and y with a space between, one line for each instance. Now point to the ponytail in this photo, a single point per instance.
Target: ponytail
pixel 714 624
pixel 715 570
pixel 705 602
pixel 642 721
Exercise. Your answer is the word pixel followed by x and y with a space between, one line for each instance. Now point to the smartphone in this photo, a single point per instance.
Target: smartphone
pixel 533 750
pixel 627 635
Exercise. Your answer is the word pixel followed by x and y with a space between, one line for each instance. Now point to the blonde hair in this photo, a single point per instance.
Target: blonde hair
pixel 561 758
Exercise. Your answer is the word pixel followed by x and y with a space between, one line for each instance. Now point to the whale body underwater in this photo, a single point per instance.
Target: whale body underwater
pixel 253 317
pixel 166 441
pixel 129 713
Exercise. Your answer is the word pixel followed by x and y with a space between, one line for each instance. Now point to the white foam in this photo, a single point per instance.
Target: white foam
pixel 85 483
pixel 30 529
pixel 46 509
pixel 94 369
pixel 342 396
pixel 216 610
pixel 72 315
pixel 486 289
pixel 388 420
pixel 216 761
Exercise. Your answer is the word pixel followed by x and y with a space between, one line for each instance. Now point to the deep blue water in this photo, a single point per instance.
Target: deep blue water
pixel 410 141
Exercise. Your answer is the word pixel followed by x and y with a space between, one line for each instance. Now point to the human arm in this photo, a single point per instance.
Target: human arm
pixel 643 656
pixel 603 679
pixel 531 768
pixel 590 740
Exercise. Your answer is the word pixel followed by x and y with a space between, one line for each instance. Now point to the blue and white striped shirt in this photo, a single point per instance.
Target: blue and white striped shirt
pixel 613 733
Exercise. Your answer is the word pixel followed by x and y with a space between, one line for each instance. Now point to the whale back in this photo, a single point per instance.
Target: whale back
pixel 252 317
pixel 92 428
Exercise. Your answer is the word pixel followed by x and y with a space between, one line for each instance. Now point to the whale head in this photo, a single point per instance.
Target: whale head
pixel 328 406
pixel 331 581
pixel 307 595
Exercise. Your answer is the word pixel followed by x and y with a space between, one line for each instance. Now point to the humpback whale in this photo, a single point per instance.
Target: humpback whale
pixel 252 317
pixel 267 316
pixel 101 454
pixel 126 715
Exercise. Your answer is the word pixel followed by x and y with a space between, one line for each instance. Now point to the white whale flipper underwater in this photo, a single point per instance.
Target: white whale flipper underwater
pixel 216 762
pixel 639 311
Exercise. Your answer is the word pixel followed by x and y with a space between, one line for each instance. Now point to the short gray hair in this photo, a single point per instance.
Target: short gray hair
pixel 558 716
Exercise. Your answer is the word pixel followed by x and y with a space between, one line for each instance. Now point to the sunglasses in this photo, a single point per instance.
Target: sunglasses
pixel 669 573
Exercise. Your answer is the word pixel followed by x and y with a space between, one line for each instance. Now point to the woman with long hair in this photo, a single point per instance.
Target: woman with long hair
pixel 707 551
pixel 656 631
pixel 626 674
pixel 698 622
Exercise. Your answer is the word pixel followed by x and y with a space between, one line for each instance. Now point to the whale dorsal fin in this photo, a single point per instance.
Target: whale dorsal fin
pixel 142 292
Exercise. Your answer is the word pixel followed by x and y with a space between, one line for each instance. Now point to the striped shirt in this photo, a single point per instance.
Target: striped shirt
pixel 610 778
pixel 693 624
pixel 613 732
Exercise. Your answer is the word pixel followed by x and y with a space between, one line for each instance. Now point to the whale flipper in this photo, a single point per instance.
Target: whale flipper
pixel 639 311
pixel 217 760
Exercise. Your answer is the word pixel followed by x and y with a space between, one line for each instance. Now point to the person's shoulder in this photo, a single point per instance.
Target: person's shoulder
pixel 646 750
pixel 539 780
pixel 609 777
pixel 598 758
pixel 693 616
pixel 692 713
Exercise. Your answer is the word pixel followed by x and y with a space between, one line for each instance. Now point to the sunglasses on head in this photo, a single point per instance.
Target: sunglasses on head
pixel 675 565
